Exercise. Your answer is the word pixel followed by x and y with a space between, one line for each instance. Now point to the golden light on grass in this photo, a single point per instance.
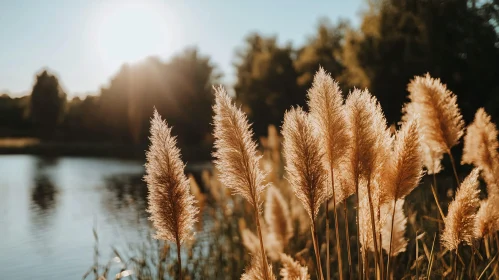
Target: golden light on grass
pixel 480 146
pixel 460 219
pixel 370 150
pixel 305 171
pixel 237 160
pixel 292 270
pixel 395 225
pixel 440 120
pixel 328 113
pixel 171 205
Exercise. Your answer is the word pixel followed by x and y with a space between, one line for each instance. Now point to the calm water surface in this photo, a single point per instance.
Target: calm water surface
pixel 48 207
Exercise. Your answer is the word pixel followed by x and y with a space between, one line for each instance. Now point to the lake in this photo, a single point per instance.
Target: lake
pixel 49 206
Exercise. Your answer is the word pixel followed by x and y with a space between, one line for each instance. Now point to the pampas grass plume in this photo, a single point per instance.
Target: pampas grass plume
pixel 480 146
pixel 304 167
pixel 171 205
pixel 440 119
pixel 236 153
pixel 460 220
pixel 292 270
pixel 406 163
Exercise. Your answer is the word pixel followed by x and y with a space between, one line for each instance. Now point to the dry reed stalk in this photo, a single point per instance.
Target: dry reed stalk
pixel 460 219
pixel 237 158
pixel 480 147
pixel 292 270
pixel 370 148
pixel 305 171
pixel 171 206
pixel 395 226
pixel 328 114
pixel 441 123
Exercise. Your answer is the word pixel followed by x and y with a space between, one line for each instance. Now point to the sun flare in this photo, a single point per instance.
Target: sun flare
pixel 127 31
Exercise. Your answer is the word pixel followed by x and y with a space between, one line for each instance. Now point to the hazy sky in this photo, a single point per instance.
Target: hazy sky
pixel 86 41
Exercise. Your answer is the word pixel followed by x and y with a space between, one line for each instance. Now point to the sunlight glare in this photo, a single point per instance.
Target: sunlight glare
pixel 127 31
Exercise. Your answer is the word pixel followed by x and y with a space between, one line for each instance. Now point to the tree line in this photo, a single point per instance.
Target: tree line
pixel 456 40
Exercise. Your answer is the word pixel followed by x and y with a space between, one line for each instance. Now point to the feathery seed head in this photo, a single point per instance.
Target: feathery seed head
pixel 305 171
pixel 487 217
pixel 480 146
pixel 371 138
pixel 236 153
pixel 328 114
pixel 460 220
pixel 406 163
pixel 171 205
pixel 292 270
pixel 441 122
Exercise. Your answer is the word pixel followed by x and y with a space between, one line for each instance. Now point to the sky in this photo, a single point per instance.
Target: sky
pixel 86 41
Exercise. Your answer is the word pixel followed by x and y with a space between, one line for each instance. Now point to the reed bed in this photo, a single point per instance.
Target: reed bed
pixel 395 215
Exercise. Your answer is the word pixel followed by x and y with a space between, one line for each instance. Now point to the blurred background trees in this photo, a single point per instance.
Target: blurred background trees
pixel 455 40
pixel 47 104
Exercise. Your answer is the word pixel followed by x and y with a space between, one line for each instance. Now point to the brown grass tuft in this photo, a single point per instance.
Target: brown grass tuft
pixel 487 217
pixel 292 270
pixel 328 114
pixel 441 122
pixel 480 146
pixel 306 174
pixel 236 153
pixel 170 203
pixel 370 136
pixel 460 220
pixel 405 167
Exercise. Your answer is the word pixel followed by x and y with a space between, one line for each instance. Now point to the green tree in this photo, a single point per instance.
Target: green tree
pixel 47 103
pixel 266 81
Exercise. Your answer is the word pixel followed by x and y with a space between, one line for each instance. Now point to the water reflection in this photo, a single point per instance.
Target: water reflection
pixel 128 190
pixel 49 207
pixel 44 193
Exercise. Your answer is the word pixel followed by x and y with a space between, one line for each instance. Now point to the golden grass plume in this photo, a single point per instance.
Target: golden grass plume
pixel 487 217
pixel 328 114
pixel 371 138
pixel 304 167
pixel 292 270
pixel 171 205
pixel 460 219
pixel 480 146
pixel 236 152
pixel 441 123
pixel 405 167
